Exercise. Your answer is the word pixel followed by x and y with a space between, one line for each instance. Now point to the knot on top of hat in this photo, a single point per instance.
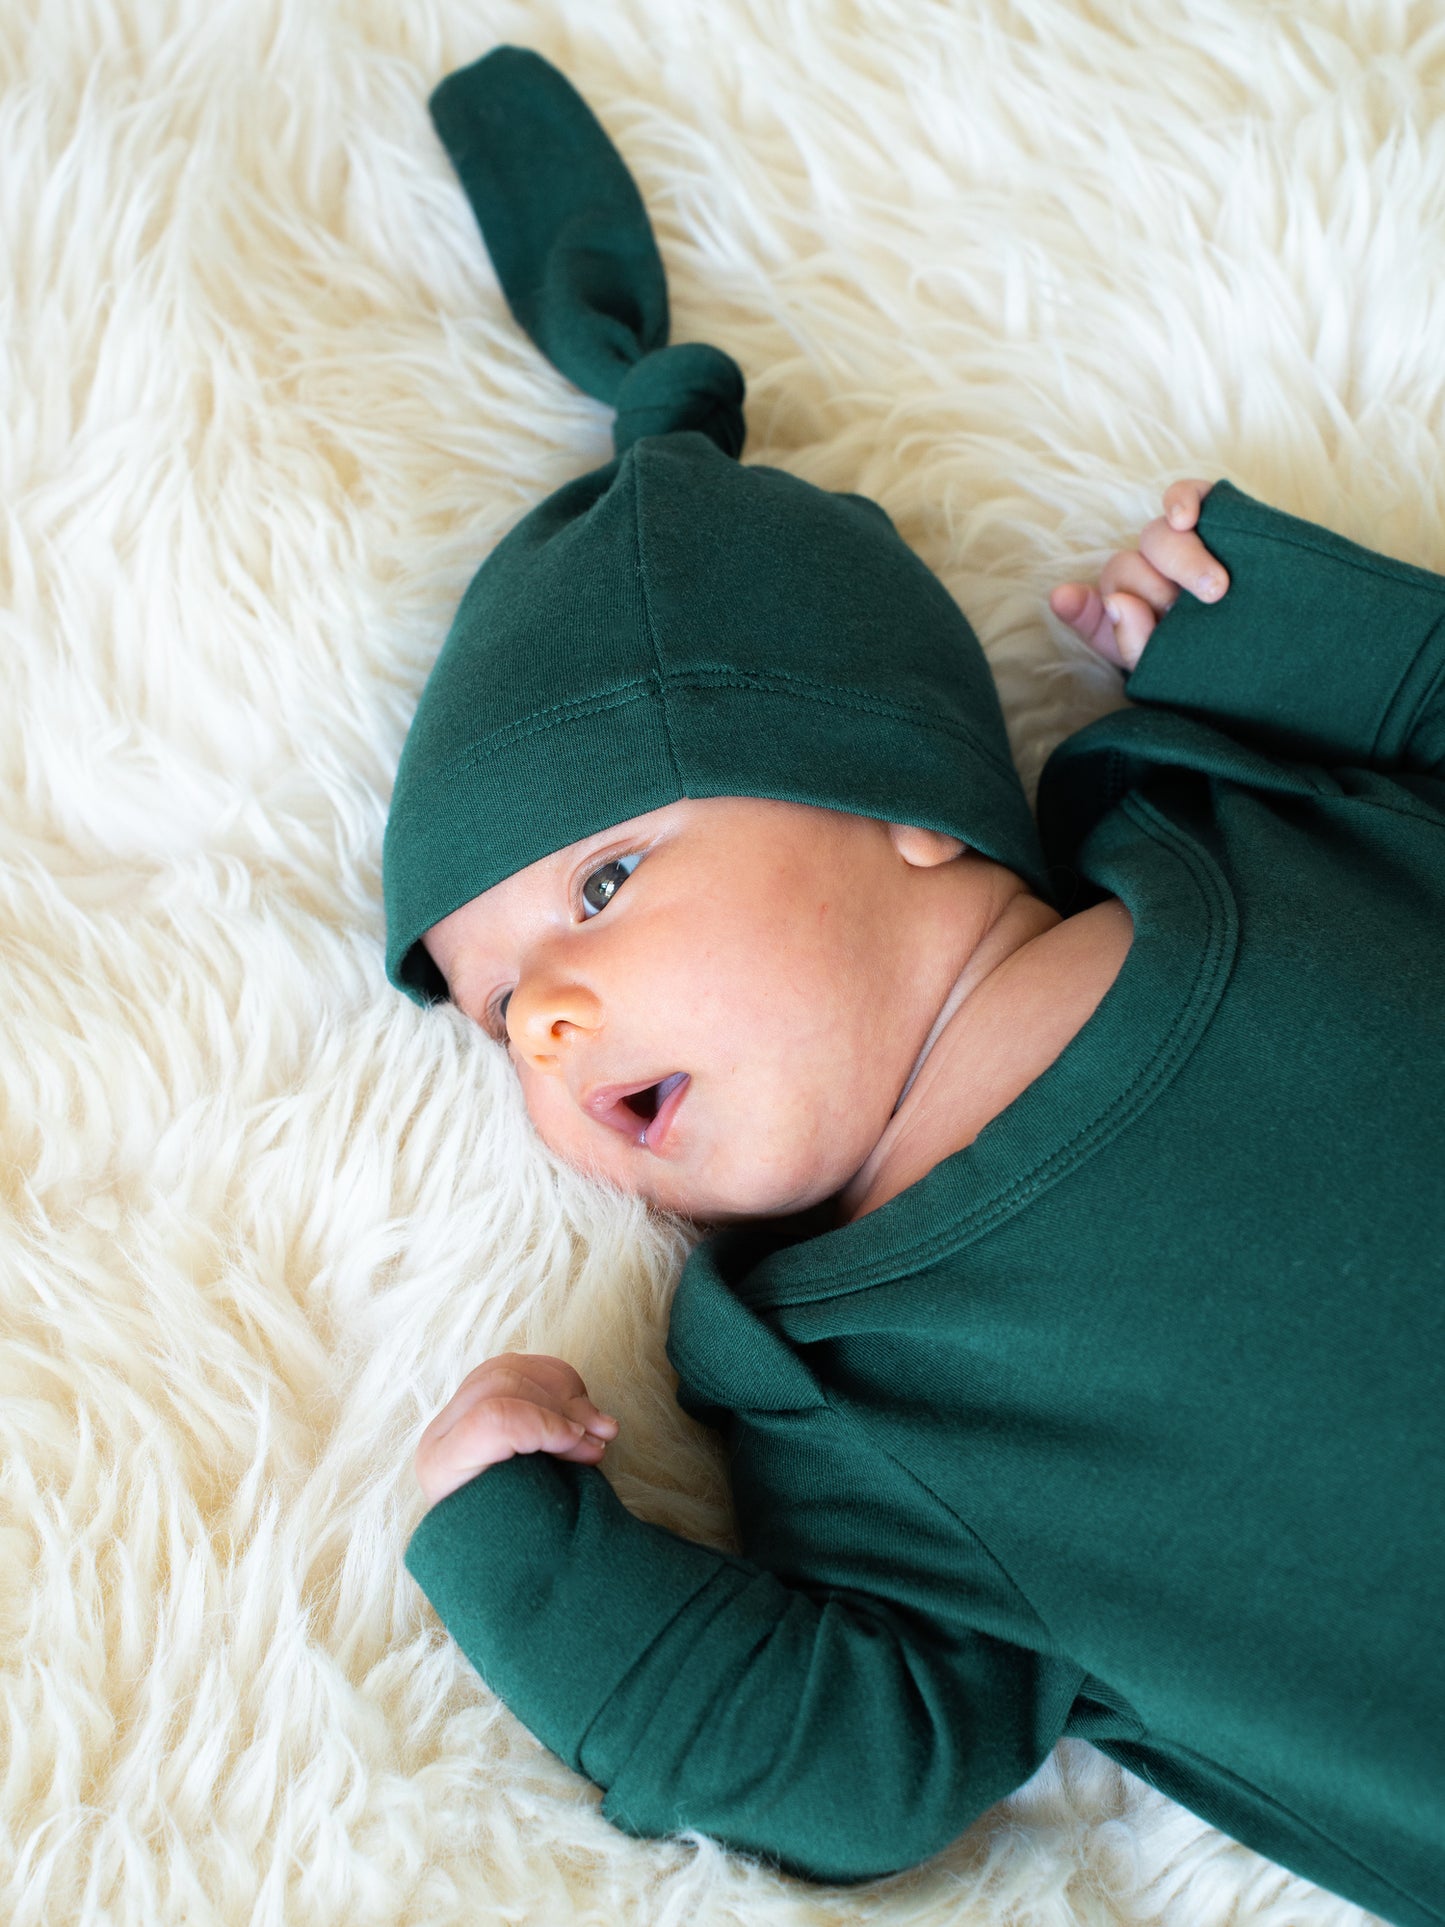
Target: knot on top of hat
pixel 689 385
pixel 574 250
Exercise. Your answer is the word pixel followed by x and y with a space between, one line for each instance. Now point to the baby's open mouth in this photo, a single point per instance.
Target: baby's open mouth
pixel 647 1103
pixel 644 1113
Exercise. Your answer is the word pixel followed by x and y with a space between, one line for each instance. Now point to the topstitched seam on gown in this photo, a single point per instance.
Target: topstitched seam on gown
pixel 1154 1074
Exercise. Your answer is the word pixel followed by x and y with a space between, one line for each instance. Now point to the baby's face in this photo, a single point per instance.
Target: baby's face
pixel 751 964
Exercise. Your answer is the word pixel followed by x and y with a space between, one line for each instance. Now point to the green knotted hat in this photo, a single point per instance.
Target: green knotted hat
pixel 674 624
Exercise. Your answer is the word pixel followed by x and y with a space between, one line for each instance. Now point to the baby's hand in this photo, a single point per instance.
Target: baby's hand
pixel 1136 586
pixel 517 1402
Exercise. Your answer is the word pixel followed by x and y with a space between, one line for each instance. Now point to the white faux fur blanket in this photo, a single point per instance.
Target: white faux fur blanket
pixel 1010 266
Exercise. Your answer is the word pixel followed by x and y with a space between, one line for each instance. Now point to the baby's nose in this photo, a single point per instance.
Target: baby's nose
pixel 545 1014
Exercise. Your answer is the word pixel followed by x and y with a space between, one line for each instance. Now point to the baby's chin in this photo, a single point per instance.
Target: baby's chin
pixel 742 1197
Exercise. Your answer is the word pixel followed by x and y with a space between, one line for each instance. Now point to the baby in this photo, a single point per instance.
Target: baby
pixel 739 997
pixel 1072 1296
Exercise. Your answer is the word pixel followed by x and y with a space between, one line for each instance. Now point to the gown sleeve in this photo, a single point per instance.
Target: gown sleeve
pixel 1321 650
pixel 823 1702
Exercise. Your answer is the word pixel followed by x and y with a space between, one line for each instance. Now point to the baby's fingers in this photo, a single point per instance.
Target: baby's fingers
pixel 1181 502
pixel 1182 557
pixel 1133 624
pixel 1115 627
pixel 1168 542
pixel 503 1426
pixel 492 1430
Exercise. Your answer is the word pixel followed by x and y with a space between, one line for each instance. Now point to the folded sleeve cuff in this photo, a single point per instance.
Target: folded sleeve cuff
pixel 551 1588
pixel 1320 649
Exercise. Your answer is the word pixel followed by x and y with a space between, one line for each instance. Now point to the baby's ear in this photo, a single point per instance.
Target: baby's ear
pixel 924 849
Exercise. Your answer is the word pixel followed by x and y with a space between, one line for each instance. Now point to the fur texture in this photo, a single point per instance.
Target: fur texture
pixel 1011 267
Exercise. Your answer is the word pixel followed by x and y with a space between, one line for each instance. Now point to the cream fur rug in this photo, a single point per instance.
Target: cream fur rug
pixel 1009 265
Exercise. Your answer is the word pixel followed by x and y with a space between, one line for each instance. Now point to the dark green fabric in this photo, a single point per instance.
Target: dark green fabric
pixel 674 623
pixel 1128 1420
pixel 563 222
pixel 574 251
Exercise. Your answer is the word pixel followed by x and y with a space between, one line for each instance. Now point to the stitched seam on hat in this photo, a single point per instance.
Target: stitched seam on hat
pixel 841 695
pixel 651 625
pixel 554 716
pixel 630 691
pixel 538 722
pixel 558 715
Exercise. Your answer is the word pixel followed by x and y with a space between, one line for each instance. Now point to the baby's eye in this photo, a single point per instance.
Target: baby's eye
pixel 494 1019
pixel 601 885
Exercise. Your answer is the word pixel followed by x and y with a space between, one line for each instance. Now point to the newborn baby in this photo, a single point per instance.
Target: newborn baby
pixel 1072 1304
pixel 795 1007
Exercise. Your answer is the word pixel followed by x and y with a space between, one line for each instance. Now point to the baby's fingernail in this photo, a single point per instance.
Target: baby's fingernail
pixel 1177 515
pixel 1115 613
pixel 1210 585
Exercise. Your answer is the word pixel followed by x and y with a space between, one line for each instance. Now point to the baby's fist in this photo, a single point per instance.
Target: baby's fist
pixel 1137 586
pixel 518 1402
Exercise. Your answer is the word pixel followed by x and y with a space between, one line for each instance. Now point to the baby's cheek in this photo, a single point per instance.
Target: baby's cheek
pixel 557 1121
pixel 540 1106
